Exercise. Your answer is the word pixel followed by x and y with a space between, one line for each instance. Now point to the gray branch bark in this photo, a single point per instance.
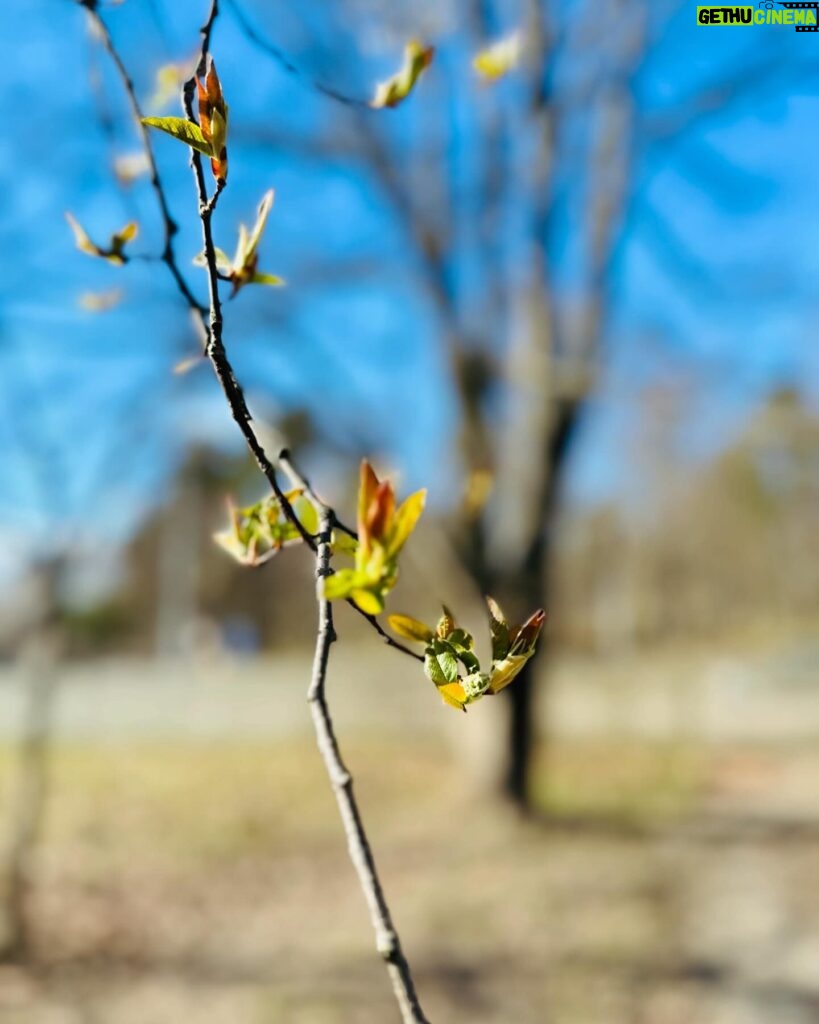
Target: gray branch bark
pixel 387 941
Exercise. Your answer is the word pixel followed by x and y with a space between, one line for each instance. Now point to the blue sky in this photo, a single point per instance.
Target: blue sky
pixel 713 278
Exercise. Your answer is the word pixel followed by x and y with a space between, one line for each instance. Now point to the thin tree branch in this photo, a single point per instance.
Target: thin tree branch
pixel 281 58
pixel 693 111
pixel 170 226
pixel 387 940
pixel 385 636
pixel 215 349
pixel 386 937
pixel 212 326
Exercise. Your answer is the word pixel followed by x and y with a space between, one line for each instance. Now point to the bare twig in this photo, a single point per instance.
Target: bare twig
pixel 385 636
pixel 215 349
pixel 169 224
pixel 386 936
pixel 281 58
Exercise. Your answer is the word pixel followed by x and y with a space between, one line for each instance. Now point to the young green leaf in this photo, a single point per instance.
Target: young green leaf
pixel 381 533
pixel 218 130
pixel 500 58
pixel 467 658
pixel 258 532
pixel 262 214
pixel 433 669
pixel 84 243
pixel 130 166
pixel 499 629
pixel 168 81
pixel 126 234
pixel 518 651
pixel 503 672
pixel 460 638
pixel 101 302
pixel 114 251
pixel 269 279
pixel 183 130
pixel 446 658
pixel 406 519
pixel 417 57
pixel 410 629
pixel 449 647
pixel 446 623
pixel 305 513
pixel 242 269
pixel 343 544
pixel 369 601
pixel 340 584
pixel 223 264
pixel 475 685
pixel 187 364
pixel 454 695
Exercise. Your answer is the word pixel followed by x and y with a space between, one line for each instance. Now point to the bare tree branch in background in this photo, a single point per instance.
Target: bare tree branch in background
pixel 516 344
pixel 546 375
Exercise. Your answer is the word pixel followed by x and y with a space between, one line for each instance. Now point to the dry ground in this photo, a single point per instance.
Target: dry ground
pixel 206 881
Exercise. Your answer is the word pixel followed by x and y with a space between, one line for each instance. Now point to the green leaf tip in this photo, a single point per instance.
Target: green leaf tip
pixel 182 129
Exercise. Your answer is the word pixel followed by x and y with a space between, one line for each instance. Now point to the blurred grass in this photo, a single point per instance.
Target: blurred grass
pixel 212 801
pixel 632 782
pixel 209 881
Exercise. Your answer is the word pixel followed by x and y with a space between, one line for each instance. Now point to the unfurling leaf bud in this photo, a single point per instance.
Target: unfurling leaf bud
pixel 209 137
pixel 417 57
pixel 383 530
pixel 114 252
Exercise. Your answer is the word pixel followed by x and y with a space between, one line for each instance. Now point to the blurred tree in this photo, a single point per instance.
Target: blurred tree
pixel 478 217
pixel 47 453
pixel 720 544
pixel 39 657
pixel 511 201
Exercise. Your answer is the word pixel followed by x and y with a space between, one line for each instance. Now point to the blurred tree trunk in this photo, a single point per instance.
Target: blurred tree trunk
pixel 38 672
pixel 556 370
pixel 525 146
pixel 528 590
